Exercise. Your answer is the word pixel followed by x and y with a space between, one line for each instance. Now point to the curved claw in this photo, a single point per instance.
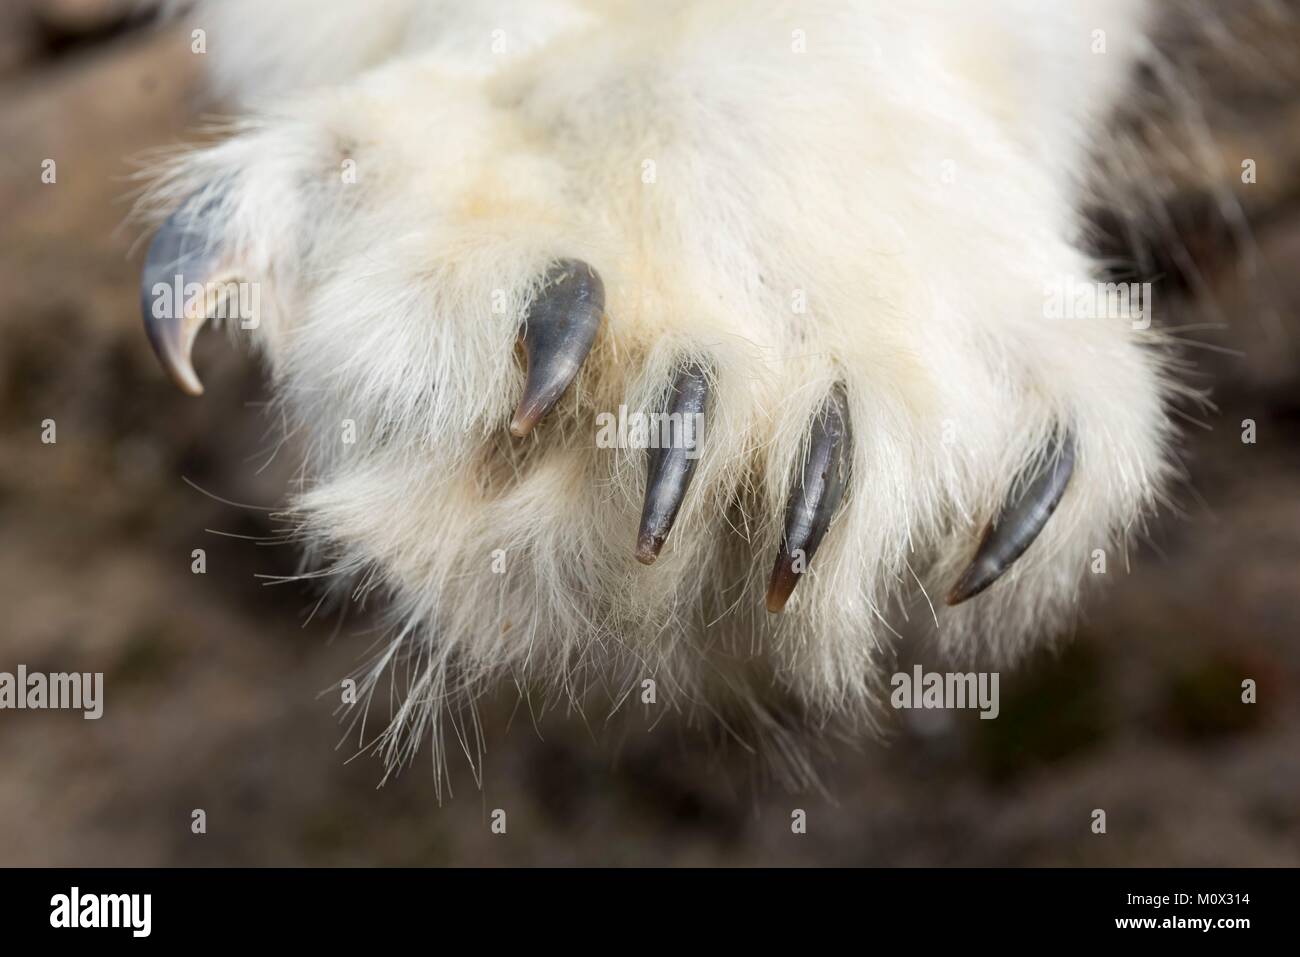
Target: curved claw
pixel 179 256
pixel 814 499
pixel 1021 519
pixel 557 335
pixel 671 467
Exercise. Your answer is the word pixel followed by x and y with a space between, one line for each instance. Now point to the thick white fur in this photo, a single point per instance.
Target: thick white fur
pixel 913 174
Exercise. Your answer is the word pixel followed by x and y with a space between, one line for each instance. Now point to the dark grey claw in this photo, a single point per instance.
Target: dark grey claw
pixel 557 335
pixel 1021 519
pixel 671 469
pixel 815 496
pixel 179 255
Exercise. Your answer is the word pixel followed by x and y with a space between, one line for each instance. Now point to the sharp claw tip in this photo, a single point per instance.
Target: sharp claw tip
pixel 184 377
pixel 527 414
pixel 968 586
pixel 521 425
pixel 780 588
pixel 648 546
pixel 190 385
pixel 776 602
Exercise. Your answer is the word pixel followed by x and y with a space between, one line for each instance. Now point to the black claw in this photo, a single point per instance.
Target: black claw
pixel 815 497
pixel 1021 519
pixel 178 256
pixel 557 335
pixel 671 468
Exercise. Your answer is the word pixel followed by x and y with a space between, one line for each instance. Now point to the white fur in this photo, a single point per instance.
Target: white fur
pixel 913 174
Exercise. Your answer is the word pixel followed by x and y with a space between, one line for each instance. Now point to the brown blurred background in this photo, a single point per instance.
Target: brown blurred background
pixel 213 683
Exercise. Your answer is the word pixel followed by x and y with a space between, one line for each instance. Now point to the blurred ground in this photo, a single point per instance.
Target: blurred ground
pixel 213 682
